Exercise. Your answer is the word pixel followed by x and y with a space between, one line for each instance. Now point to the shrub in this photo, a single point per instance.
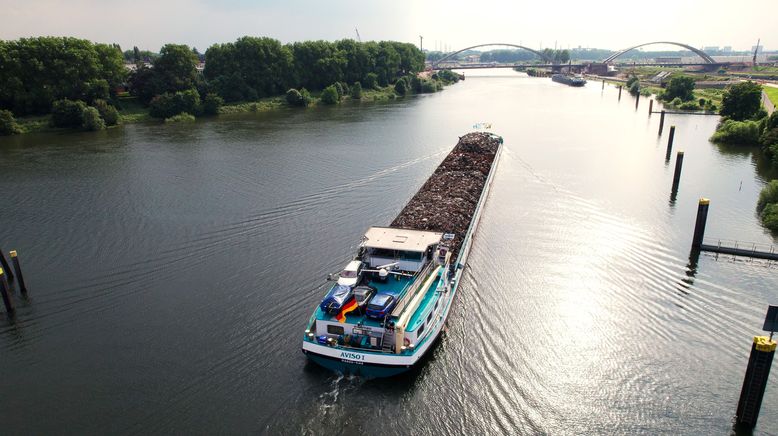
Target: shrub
pixel 371 81
pixel 339 88
pixel 768 195
pixel 676 102
pixel 769 138
pixel 400 87
pixel 330 95
pixel 67 113
pixel 448 76
pixel 769 216
pixel 183 117
pixel 167 104
pixel 703 102
pixel 8 125
pixel 689 106
pixel 634 87
pixel 294 98
pixel 737 132
pixel 632 80
pixel 346 89
pixel 356 91
pixel 742 101
pixel 680 87
pixel 428 86
pixel 92 119
pixel 108 113
pixel 212 103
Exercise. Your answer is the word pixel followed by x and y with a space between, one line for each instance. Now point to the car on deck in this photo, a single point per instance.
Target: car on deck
pixel 381 305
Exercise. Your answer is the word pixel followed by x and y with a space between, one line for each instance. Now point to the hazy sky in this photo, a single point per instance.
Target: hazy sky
pixel 609 24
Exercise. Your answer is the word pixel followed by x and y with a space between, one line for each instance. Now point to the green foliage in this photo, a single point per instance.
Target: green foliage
pixel 339 88
pixel 634 88
pixel 212 104
pixel 346 89
pixel 8 124
pixel 175 68
pixel 737 132
pixel 447 76
pixel 630 81
pixel 429 86
pixel 330 95
pixel 676 102
pixel 768 195
pixel 108 113
pixel 92 120
pixel 769 216
pixel 681 87
pixel 67 113
pixel 742 101
pixel 356 91
pixel 34 72
pixel 689 106
pixel 259 67
pixel 769 140
pixel 371 81
pixel 401 87
pixel 295 98
pixel 167 104
pixel 183 117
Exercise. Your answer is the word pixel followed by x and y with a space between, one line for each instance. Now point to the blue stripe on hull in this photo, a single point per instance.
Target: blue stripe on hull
pixel 367 371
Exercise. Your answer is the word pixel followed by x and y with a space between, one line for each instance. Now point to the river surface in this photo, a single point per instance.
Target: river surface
pixel 172 270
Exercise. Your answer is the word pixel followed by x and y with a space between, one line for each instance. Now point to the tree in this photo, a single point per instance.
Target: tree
pixel 176 68
pixel 330 95
pixel 356 91
pixel 371 81
pixel 212 103
pixel 681 87
pixel 8 124
pixel 742 101
pixel 295 98
pixel 92 120
pixel 136 55
pixel 67 113
pixel 400 87
pixel 168 104
pixel 107 112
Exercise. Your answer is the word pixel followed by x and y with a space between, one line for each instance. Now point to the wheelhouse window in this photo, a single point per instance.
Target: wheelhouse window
pixel 335 329
pixel 420 331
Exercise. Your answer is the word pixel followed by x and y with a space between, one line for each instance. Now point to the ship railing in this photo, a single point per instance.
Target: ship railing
pixel 417 280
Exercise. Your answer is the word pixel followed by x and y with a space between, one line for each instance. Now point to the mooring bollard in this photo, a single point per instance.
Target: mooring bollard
pixel 699 226
pixel 677 174
pixel 18 270
pixel 9 305
pixel 661 122
pixel 650 106
pixel 757 372
pixel 670 139
pixel 5 266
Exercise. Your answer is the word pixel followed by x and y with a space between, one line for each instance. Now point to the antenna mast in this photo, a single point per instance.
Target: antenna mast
pixel 359 38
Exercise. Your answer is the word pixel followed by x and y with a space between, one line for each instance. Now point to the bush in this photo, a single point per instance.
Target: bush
pixel 346 89
pixel 212 103
pixel 294 98
pixel 632 80
pixel 8 125
pixel 676 102
pixel 67 113
pixel 428 86
pixel 769 195
pixel 356 91
pixel 634 87
pixel 703 102
pixel 371 81
pixel 742 101
pixel 330 95
pixel 108 113
pixel 769 138
pixel 689 106
pixel 737 132
pixel 92 119
pixel 167 104
pixel 400 87
pixel 339 88
pixel 680 87
pixel 183 117
pixel 448 76
pixel 769 216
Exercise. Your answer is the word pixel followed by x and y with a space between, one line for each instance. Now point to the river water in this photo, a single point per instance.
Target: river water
pixel 172 270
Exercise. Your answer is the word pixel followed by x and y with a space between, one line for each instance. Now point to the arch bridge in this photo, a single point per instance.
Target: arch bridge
pixel 698 52
pixel 450 55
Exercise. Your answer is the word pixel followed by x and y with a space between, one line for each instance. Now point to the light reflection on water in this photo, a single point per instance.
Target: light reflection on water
pixel 172 270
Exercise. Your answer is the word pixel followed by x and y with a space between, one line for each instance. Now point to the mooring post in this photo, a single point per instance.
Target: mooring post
pixel 18 270
pixel 661 122
pixel 699 226
pixel 670 138
pixel 603 83
pixel 677 174
pixel 650 106
pixel 620 92
pixel 637 100
pixel 755 382
pixel 9 305
pixel 5 266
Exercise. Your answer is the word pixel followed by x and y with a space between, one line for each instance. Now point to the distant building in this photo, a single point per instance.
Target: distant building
pixel 711 48
pixel 727 49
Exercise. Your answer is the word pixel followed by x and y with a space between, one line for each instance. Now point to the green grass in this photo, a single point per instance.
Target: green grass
pixel 132 110
pixel 261 105
pixel 772 94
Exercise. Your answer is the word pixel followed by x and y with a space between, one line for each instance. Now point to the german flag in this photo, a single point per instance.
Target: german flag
pixel 348 307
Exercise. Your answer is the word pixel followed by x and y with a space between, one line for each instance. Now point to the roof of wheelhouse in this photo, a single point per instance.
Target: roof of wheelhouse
pixel 390 238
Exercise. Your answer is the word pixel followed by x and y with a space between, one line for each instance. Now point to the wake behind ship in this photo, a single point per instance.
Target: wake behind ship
pixel 390 302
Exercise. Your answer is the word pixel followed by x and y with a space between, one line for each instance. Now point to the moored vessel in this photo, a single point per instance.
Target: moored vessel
pixel 569 79
pixel 389 303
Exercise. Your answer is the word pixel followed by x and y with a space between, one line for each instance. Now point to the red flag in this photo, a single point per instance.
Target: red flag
pixel 348 307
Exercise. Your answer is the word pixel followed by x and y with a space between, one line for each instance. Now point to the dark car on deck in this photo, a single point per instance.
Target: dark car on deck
pixel 381 305
pixel 334 300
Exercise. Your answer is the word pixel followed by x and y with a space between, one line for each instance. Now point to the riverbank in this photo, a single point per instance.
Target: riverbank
pixel 132 111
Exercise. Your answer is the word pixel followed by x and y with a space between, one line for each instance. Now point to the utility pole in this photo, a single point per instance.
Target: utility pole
pixel 358 37
pixel 421 41
pixel 756 50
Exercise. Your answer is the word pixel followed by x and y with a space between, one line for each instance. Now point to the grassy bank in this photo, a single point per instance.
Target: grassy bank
pixel 772 94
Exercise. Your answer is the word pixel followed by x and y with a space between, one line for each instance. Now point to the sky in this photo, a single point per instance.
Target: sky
pixel 452 24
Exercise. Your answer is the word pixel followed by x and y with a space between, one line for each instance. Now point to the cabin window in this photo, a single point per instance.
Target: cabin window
pixel 335 329
pixel 429 317
pixel 420 331
pixel 436 305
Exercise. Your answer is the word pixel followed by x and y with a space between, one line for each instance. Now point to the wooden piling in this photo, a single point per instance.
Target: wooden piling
pixel 661 122
pixel 650 106
pixel 637 100
pixel 603 83
pixel 677 173
pixel 9 305
pixel 18 270
pixel 620 87
pixel 5 266
pixel 671 138
pixel 755 382
pixel 699 226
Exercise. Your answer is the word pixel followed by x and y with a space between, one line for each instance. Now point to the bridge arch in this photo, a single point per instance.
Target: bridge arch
pixel 698 52
pixel 542 56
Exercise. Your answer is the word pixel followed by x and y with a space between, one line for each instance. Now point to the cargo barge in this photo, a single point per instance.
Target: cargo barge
pixel 569 79
pixel 389 303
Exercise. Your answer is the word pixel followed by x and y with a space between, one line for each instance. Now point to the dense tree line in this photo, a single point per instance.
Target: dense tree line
pixel 36 72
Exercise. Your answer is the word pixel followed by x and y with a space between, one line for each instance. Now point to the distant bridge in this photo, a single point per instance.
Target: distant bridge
pixel 707 60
